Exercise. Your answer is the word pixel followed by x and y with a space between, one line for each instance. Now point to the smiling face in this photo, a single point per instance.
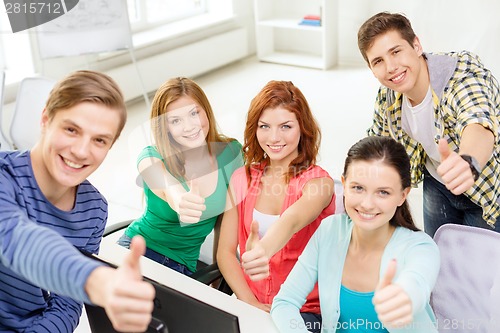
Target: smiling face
pixel 397 64
pixel 372 192
pixel 73 144
pixel 187 123
pixel 278 134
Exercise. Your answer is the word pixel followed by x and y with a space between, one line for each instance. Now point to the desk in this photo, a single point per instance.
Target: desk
pixel 250 318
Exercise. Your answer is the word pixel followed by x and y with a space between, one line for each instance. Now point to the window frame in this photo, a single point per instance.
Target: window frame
pixel 140 23
pixel 221 14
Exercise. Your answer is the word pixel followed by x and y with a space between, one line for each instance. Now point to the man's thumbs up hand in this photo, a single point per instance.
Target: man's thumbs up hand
pixel 126 297
pixel 454 170
pixel 444 150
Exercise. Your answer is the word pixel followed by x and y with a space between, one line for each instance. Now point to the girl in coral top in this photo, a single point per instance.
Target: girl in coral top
pixel 279 198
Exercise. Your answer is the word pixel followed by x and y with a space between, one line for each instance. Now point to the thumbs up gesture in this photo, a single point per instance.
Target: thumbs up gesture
pixel 392 303
pixel 191 204
pixel 127 299
pixel 254 261
pixel 253 237
pixel 444 150
pixel 454 170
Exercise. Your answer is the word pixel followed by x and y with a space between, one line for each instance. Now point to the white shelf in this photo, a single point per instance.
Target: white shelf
pixel 294 59
pixel 289 24
pixel 281 39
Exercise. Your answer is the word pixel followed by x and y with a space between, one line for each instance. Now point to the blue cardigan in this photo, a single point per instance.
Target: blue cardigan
pixel 323 260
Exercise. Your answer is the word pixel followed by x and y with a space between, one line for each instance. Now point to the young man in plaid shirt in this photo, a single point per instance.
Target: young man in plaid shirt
pixel 444 108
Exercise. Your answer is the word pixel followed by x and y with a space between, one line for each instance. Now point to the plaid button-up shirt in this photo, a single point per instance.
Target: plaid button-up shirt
pixel 464 93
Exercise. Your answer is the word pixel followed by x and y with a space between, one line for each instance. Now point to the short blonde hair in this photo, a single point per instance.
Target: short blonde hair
pixel 87 86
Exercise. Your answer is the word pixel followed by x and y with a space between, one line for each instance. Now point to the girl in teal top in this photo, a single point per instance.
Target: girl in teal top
pixel 185 176
pixel 375 270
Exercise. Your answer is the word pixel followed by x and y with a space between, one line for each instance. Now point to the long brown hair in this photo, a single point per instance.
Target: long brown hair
pixel 393 154
pixel 168 148
pixel 285 95
pixel 378 25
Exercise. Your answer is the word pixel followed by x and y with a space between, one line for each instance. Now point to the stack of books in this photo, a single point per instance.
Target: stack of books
pixel 314 20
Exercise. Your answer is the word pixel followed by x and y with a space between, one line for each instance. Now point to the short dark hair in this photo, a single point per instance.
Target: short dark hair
pixel 393 154
pixel 379 24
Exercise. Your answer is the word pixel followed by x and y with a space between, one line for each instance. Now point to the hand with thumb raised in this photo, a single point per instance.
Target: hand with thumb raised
pixel 131 266
pixel 192 204
pixel 454 170
pixel 389 275
pixel 125 296
pixel 194 186
pixel 253 237
pixel 254 261
pixel 444 150
pixel 392 303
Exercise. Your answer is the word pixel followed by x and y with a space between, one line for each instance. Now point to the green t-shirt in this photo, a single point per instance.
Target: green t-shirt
pixel 160 225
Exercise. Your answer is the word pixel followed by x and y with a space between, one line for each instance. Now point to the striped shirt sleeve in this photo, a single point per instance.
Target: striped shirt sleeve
pixel 42 256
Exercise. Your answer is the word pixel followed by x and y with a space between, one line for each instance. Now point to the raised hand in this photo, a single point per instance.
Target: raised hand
pixel 254 261
pixel 127 299
pixel 392 303
pixel 192 204
pixel 254 237
pixel 454 170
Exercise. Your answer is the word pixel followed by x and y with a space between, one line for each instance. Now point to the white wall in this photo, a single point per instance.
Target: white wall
pixel 441 25
pixel 152 46
pixel 190 54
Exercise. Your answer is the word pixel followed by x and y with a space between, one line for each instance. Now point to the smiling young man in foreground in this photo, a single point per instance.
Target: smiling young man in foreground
pixel 49 211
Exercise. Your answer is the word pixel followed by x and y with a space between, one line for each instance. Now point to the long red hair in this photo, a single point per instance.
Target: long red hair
pixel 285 95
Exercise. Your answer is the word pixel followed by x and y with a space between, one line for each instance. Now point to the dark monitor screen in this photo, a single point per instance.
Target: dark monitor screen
pixel 174 312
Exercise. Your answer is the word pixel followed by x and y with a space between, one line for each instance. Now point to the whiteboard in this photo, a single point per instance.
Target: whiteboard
pixel 92 26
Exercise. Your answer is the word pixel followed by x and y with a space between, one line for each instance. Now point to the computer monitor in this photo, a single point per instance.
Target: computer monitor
pixel 174 312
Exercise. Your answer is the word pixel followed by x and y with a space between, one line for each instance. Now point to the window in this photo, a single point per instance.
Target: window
pixel 15 51
pixel 146 14
pixel 17 56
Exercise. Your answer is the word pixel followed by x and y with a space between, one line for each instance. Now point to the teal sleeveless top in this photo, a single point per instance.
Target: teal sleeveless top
pixel 357 313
